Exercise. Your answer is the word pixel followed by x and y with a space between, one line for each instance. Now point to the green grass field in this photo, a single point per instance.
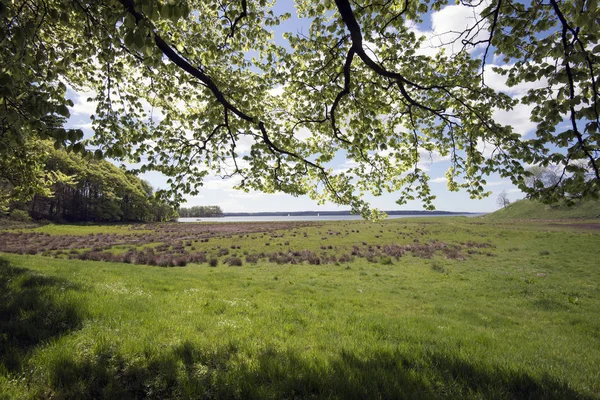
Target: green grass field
pixel 407 308
pixel 532 209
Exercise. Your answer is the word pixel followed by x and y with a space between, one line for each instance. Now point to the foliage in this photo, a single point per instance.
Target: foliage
pixel 556 43
pixel 192 88
pixel 19 215
pixel 23 173
pixel 546 178
pixel 92 190
pixel 200 212
pixel 74 329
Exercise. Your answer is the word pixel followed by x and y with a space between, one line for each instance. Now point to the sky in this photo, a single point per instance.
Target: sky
pixel 220 192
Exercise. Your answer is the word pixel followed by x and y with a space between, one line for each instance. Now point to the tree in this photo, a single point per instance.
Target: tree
pixel 200 211
pixel 234 102
pixel 92 190
pixel 503 199
pixel 543 178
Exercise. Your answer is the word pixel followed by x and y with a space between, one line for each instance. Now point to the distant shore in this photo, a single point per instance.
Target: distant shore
pixel 340 213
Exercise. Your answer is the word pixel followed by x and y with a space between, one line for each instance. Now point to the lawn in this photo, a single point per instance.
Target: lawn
pixel 418 308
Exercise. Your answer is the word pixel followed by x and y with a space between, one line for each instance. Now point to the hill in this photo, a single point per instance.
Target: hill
pixel 532 209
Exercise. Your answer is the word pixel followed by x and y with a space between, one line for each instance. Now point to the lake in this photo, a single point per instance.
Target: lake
pixel 279 218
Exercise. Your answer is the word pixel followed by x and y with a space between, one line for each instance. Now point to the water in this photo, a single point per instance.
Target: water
pixel 281 218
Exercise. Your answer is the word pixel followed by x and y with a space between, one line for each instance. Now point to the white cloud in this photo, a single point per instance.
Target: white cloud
pixel 276 91
pixel 497 82
pixel 81 106
pixel 432 157
pixel 518 118
pixel 243 144
pixel 448 26
pixel 497 183
pixel 302 134
pixel 487 149
pixel 221 184
pixel 440 179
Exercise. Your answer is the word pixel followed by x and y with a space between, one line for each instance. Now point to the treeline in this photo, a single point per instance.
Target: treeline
pixel 200 212
pixel 93 190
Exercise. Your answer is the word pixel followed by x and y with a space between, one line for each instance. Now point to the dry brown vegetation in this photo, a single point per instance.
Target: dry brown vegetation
pixel 170 245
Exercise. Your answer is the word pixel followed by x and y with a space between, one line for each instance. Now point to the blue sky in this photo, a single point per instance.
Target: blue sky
pixel 220 192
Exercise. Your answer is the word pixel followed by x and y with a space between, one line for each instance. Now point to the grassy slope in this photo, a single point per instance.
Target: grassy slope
pixel 517 320
pixel 531 209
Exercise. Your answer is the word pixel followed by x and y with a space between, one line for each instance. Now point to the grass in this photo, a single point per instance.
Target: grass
pixel 86 229
pixel 532 209
pixel 515 317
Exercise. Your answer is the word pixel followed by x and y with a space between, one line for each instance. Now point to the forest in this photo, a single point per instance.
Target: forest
pixel 200 212
pixel 87 189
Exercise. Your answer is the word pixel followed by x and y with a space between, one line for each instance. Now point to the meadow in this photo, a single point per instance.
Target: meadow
pixel 405 308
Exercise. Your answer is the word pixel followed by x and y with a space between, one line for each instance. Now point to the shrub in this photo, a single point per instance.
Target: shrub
pixel 423 251
pixel 223 252
pixel 97 256
pixel 197 257
pixel 346 258
pixel 279 258
pixel 252 258
pixel 213 262
pixel 314 260
pixel 20 215
pixel 453 253
pixel 393 250
pixel 127 257
pixel 234 262
pixel 162 247
pixel 180 261
pixel 164 260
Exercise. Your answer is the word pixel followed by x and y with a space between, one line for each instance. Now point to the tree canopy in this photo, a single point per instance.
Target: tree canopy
pixel 200 212
pixel 191 88
pixel 92 190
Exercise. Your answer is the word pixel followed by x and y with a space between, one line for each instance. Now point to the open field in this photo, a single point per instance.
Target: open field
pixel 419 308
pixel 532 209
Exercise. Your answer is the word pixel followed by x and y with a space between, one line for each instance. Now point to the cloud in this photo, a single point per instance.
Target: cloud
pixel 448 27
pixel 243 145
pixel 81 106
pixel 302 134
pixel 432 157
pixel 518 118
pixel 221 184
pixel 497 183
pixel 497 82
pixel 440 179
pixel 276 91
